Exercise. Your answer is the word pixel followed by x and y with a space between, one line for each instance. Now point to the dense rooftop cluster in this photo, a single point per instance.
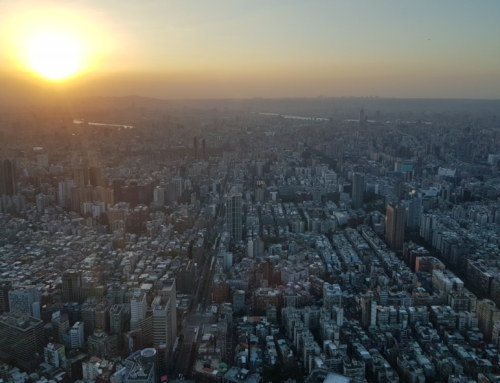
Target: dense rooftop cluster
pixel 224 246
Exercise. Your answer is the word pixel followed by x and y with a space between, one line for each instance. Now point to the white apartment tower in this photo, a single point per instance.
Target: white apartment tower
pixel 76 335
pixel 138 308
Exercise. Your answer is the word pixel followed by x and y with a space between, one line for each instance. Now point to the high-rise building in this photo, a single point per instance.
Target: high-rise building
pixel 54 354
pixel 25 299
pixel 3 189
pixel 195 148
pixel 142 366
pixel 395 226
pixel 162 323
pixel 71 284
pixel 90 369
pixel 8 177
pixel 76 334
pixel 358 190
pixel 64 193
pixel 60 327
pixel 5 287
pixel 98 194
pixel 103 345
pixel 81 176
pixel 116 318
pixel 332 295
pixel 159 196
pixel 76 199
pixel 238 300
pixel 495 335
pixel 362 118
pixel 168 290
pixel 92 290
pixel 171 193
pixel 368 309
pixel 21 339
pixel 138 308
pixel 233 215
pixel 204 149
pixel 95 176
pixel 102 316
pixel 88 316
pixel 427 224
pixel 415 210
pixel 186 276
pixel 117 189
pixel 487 314
pixel 161 362
pixel 42 201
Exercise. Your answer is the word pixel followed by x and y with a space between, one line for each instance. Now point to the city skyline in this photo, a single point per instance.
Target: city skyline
pixel 249 192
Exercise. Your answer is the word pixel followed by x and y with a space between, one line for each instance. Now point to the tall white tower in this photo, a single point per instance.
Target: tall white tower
pixel 138 308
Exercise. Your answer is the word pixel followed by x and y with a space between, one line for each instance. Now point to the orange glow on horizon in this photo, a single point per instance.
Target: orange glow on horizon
pixel 56 43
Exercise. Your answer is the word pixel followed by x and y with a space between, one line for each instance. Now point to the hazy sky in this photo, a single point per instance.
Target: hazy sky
pixel 215 48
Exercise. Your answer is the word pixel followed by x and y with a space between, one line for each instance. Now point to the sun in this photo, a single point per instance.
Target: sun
pixel 54 55
pixel 62 42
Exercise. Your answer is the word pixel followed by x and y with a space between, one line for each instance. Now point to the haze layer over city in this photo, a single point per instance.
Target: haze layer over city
pixel 249 192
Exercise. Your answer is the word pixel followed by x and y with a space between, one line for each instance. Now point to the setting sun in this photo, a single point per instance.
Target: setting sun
pixel 54 56
pixel 58 44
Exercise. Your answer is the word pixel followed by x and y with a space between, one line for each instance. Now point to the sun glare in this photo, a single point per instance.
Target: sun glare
pixel 54 56
pixel 57 42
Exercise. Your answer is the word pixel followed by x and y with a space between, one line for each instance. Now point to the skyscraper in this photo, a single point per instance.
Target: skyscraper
pixel 60 327
pixel 95 176
pixel 204 149
pixel 415 210
pixel 21 339
pixel 5 287
pixel 116 318
pixel 117 185
pixel 25 299
pixel 161 362
pixel 3 189
pixel 368 309
pixel 8 177
pixel 76 199
pixel 169 292
pixel 162 326
pixel 358 190
pixel 171 193
pixel 81 176
pixel 71 283
pixel 138 308
pixel 362 118
pixel 64 192
pixel 195 148
pixel 487 314
pixel 159 196
pixel 395 226
pixel 233 215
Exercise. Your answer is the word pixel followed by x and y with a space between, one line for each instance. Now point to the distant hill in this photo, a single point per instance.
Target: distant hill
pixel 319 107
pixel 25 91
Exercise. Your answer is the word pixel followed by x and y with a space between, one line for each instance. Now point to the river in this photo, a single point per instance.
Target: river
pixel 102 124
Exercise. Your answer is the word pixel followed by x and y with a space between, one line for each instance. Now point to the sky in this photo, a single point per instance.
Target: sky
pixel 282 48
